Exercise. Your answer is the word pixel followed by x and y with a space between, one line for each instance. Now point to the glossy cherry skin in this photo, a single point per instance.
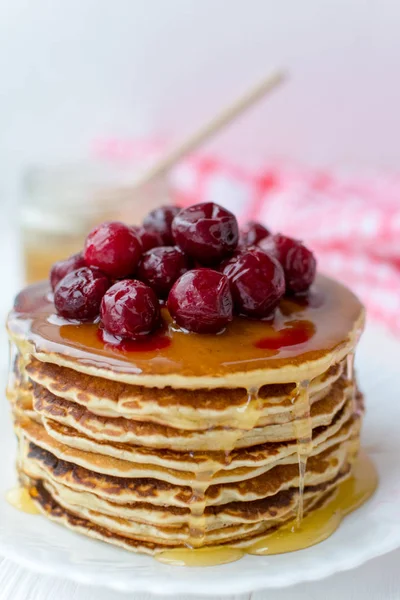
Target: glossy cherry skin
pixel 252 233
pixel 61 268
pixel 161 267
pixel 206 232
pixel 160 221
pixel 130 310
pixel 298 262
pixel 149 239
pixel 257 282
pixel 79 294
pixel 114 248
pixel 201 301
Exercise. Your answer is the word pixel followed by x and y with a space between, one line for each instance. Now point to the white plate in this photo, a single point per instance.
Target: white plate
pixel 373 530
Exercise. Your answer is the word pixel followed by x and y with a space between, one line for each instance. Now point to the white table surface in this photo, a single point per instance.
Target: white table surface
pixel 377 580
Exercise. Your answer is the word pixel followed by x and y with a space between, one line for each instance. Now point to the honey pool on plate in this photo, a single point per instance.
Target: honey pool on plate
pixel 20 498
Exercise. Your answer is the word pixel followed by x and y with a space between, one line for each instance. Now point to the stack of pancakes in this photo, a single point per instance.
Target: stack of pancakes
pixel 152 464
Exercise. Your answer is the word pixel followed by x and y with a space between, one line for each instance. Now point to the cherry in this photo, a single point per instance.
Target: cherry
pixel 257 282
pixel 61 268
pixel 130 309
pixel 200 301
pixel 78 295
pixel 252 233
pixel 149 239
pixel 161 267
pixel 114 248
pixel 206 232
pixel 298 263
pixel 160 221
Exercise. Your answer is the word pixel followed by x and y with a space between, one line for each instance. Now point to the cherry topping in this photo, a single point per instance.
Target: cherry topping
pixel 130 309
pixel 252 233
pixel 160 221
pixel 298 263
pixel 61 268
pixel 78 295
pixel 161 267
pixel 149 239
pixel 257 282
pixel 206 232
pixel 114 248
pixel 200 301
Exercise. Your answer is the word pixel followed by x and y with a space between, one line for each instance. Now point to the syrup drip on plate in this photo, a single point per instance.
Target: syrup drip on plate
pixel 201 557
pixel 303 432
pixel 19 498
pixel 315 527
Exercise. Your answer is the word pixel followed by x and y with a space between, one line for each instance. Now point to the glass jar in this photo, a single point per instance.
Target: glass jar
pixel 62 203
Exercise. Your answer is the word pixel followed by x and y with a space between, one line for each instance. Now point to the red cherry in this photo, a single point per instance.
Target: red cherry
pixel 252 233
pixel 78 295
pixel 161 267
pixel 206 232
pixel 160 221
pixel 61 268
pixel 298 262
pixel 200 301
pixel 114 248
pixel 130 310
pixel 149 239
pixel 257 282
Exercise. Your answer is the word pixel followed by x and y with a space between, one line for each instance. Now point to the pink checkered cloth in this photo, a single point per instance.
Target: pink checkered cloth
pixel 351 222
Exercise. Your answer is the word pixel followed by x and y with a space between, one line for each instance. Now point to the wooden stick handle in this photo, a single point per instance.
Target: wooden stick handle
pixel 209 129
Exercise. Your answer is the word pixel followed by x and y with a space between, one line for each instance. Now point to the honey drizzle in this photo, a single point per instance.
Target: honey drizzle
pixel 317 526
pixel 198 504
pixel 245 420
pixel 303 433
pixel 351 380
pixel 11 380
pixel 19 498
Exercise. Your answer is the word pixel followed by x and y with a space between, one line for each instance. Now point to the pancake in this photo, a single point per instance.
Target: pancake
pixel 204 441
pixel 240 463
pixel 121 429
pixel 184 409
pixel 49 506
pixel 161 485
pixel 281 498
